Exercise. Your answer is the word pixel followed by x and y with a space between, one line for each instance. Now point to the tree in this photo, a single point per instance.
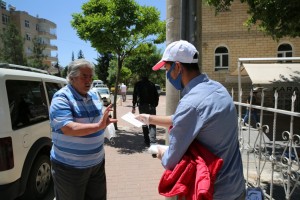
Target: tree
pixel 141 62
pixel 80 54
pixel 57 67
pixel 72 56
pixel 102 66
pixel 37 57
pixel 277 18
pixel 64 72
pixel 12 46
pixel 118 26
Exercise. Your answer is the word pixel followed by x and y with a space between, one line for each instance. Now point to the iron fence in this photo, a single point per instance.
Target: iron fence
pixel 270 148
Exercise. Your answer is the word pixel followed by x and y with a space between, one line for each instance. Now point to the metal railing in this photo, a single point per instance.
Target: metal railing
pixel 268 160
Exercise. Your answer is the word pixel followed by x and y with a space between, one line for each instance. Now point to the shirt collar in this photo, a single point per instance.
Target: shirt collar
pixel 78 96
pixel 195 81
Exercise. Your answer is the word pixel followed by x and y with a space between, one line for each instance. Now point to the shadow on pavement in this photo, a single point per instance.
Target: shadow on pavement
pixel 130 141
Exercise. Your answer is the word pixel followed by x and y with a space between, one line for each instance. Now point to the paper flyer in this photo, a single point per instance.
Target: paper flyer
pixel 129 117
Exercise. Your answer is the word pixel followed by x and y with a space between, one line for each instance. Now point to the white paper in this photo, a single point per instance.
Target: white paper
pixel 129 117
pixel 153 149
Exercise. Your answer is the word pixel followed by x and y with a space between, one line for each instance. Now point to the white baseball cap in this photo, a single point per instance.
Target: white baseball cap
pixel 180 51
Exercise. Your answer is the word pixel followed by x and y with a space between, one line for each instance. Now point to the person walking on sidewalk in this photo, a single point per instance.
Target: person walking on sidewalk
pixel 77 126
pixel 123 89
pixel 205 114
pixel 145 96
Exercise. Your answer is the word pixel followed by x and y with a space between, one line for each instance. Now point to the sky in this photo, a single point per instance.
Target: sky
pixel 60 12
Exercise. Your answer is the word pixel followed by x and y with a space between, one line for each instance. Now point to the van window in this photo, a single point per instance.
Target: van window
pixel 51 89
pixel 27 103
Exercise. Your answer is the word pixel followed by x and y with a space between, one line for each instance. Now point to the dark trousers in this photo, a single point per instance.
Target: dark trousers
pixel 148 131
pixel 79 184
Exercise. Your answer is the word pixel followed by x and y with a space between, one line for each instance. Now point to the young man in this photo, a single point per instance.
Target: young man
pixel 145 96
pixel 206 114
pixel 77 123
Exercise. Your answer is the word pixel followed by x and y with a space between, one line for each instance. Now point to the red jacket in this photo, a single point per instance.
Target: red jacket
pixel 194 176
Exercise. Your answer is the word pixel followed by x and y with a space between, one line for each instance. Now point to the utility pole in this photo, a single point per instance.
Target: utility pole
pixel 183 19
pixel 172 34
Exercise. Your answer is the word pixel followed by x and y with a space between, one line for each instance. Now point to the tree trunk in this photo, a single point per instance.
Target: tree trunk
pixel 116 90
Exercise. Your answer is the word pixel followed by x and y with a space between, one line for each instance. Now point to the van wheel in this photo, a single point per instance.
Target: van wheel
pixel 39 180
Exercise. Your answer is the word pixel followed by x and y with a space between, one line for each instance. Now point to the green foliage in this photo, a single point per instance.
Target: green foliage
pixel 80 54
pixel 12 46
pixel 277 18
pixel 141 62
pixel 102 67
pixel 118 26
pixel 57 67
pixel 64 72
pixel 36 58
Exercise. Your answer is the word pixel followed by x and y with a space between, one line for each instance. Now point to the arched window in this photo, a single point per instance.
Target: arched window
pixel 284 50
pixel 221 58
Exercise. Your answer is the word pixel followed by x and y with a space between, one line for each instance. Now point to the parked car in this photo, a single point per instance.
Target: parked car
pixel 104 94
pixel 158 89
pixel 25 136
pixel 97 82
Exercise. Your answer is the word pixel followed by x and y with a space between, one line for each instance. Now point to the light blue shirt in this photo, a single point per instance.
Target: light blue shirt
pixel 69 106
pixel 206 112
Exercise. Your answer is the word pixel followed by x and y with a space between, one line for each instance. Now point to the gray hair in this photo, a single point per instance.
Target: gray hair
pixel 74 66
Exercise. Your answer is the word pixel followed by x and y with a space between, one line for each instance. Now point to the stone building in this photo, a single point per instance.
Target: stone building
pixel 225 39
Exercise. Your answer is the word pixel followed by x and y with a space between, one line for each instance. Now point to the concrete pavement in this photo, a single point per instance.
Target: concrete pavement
pixel 131 171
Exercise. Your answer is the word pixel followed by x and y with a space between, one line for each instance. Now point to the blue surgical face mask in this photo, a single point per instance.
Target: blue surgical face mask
pixel 175 82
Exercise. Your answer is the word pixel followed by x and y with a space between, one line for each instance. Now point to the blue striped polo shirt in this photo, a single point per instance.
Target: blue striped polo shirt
pixel 76 151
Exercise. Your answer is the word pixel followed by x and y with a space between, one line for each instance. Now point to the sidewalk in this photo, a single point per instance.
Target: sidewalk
pixel 131 171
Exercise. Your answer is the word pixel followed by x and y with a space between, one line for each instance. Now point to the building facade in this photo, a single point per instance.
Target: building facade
pixel 31 27
pixel 225 39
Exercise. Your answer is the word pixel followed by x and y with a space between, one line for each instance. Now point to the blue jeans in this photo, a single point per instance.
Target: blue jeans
pixel 148 131
pixel 79 184
pixel 253 115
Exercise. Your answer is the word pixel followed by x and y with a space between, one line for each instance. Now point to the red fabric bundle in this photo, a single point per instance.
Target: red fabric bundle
pixel 194 176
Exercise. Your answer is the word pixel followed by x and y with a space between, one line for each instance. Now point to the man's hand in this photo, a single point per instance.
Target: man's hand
pixel 106 120
pixel 160 153
pixel 143 118
pixel 133 110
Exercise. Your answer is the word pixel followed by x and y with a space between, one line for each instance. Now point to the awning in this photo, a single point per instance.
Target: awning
pixel 268 73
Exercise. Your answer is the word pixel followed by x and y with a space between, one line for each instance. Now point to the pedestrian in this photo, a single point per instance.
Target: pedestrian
pixel 77 126
pixel 123 89
pixel 145 96
pixel 254 114
pixel 205 114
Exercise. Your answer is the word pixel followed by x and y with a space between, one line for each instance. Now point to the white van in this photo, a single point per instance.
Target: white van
pixel 25 139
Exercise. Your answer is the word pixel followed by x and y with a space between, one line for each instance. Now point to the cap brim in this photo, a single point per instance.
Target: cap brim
pixel 159 65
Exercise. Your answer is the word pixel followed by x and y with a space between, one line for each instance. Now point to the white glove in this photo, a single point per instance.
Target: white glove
pixel 143 118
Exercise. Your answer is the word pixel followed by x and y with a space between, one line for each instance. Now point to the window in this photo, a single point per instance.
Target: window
pixel 26 23
pixel 221 58
pixel 26 103
pixel 28 37
pixel 5 19
pixel 284 50
pixel 51 89
pixel 37 27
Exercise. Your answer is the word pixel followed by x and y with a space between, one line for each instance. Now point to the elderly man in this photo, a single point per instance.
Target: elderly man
pixel 77 123
pixel 205 114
